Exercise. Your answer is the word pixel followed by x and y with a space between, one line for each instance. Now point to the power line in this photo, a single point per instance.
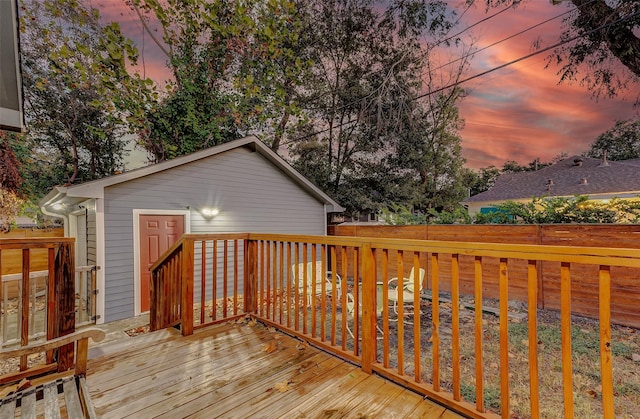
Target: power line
pixel 508 38
pixel 481 74
pixel 429 48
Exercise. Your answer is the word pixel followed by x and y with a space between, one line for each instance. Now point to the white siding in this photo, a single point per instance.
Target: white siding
pixel 251 194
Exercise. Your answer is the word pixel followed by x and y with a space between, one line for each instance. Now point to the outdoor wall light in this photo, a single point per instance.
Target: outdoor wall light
pixel 210 212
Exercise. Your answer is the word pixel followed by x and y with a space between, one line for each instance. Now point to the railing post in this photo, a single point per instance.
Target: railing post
pixel 24 304
pixel 65 278
pixel 368 308
pixel 186 303
pixel 251 277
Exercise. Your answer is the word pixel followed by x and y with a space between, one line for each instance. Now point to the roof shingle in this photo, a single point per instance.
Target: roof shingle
pixel 573 176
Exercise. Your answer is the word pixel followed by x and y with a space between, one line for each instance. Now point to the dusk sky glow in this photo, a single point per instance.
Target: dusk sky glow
pixel 516 113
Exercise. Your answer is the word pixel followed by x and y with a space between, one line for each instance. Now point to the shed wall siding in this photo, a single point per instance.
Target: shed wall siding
pixel 251 194
pixel 91 234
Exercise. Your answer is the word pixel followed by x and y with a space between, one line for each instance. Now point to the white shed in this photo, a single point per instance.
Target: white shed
pixel 122 222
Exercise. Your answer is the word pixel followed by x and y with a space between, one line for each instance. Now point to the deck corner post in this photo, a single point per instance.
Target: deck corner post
pixel 368 308
pixel 64 282
pixel 186 305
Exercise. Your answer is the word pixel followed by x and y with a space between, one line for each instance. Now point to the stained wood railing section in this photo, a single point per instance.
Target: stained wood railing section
pixel 346 306
pixel 40 306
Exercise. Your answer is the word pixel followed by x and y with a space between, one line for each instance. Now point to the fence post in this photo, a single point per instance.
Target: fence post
pixel 368 308
pixel 186 305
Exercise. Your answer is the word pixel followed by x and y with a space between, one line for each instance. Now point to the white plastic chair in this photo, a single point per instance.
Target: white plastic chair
pixel 326 276
pixel 408 290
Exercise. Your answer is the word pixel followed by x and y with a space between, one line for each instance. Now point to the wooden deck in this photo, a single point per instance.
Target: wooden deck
pixel 239 370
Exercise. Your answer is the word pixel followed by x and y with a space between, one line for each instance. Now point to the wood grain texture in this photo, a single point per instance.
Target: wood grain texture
pixel 224 371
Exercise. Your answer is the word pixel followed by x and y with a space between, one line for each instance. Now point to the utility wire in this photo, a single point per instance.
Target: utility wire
pixel 481 74
pixel 471 54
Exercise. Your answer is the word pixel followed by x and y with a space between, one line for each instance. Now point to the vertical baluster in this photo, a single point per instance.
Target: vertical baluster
pixel 296 282
pixel 314 287
pixel 24 308
pixel 343 304
pixel 282 271
pixel 455 324
pixel 235 277
pixel 435 320
pixel 225 278
pixel 477 268
pixel 289 280
pixel 260 291
pixel 532 311
pixel 504 338
pixel 323 286
pixel 565 326
pixel 308 295
pixel 417 286
pixel 267 295
pixel 400 306
pixel 203 279
pixel 214 281
pixel 334 267
pixel 357 287
pixel 385 307
pixel 606 367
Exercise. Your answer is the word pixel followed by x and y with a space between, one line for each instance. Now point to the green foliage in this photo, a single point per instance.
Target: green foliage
pixel 236 67
pixel 578 209
pixel 622 142
pixel 458 216
pixel 398 215
pixel 604 35
pixel 372 143
pixel 79 96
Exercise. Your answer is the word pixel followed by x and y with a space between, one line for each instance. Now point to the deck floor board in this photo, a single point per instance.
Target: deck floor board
pixel 238 370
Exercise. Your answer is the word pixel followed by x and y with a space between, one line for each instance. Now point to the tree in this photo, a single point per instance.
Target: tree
pixel 621 142
pixel 609 38
pixel 236 67
pixel 607 42
pixel 430 154
pixel 10 178
pixel 78 93
pixel 368 64
pixel 482 180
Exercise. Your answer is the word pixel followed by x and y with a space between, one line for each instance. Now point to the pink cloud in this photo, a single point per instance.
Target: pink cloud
pixel 516 113
pixel 521 112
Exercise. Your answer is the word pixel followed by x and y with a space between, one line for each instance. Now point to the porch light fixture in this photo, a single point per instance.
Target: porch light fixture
pixel 209 212
pixel 58 207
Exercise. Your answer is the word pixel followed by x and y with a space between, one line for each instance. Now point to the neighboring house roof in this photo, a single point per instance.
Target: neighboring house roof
pixel 95 188
pixel 573 176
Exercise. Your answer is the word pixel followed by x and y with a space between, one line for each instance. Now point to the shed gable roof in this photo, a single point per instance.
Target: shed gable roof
pixel 95 188
pixel 572 176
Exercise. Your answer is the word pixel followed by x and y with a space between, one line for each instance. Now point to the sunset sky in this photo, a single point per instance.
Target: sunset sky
pixel 517 113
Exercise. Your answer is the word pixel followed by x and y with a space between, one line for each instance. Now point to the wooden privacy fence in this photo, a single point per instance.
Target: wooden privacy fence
pixel 348 307
pixel 22 321
pixel 625 286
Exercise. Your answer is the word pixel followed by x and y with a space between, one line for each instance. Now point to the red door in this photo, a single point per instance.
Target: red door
pixel 157 234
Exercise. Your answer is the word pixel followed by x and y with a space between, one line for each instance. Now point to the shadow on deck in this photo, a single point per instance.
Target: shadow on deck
pixel 239 370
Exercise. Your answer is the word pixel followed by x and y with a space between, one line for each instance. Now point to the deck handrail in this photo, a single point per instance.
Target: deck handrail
pixel 56 254
pixel 79 364
pixel 270 265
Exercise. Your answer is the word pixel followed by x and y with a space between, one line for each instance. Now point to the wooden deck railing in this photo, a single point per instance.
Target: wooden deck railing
pixel 221 277
pixel 42 306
